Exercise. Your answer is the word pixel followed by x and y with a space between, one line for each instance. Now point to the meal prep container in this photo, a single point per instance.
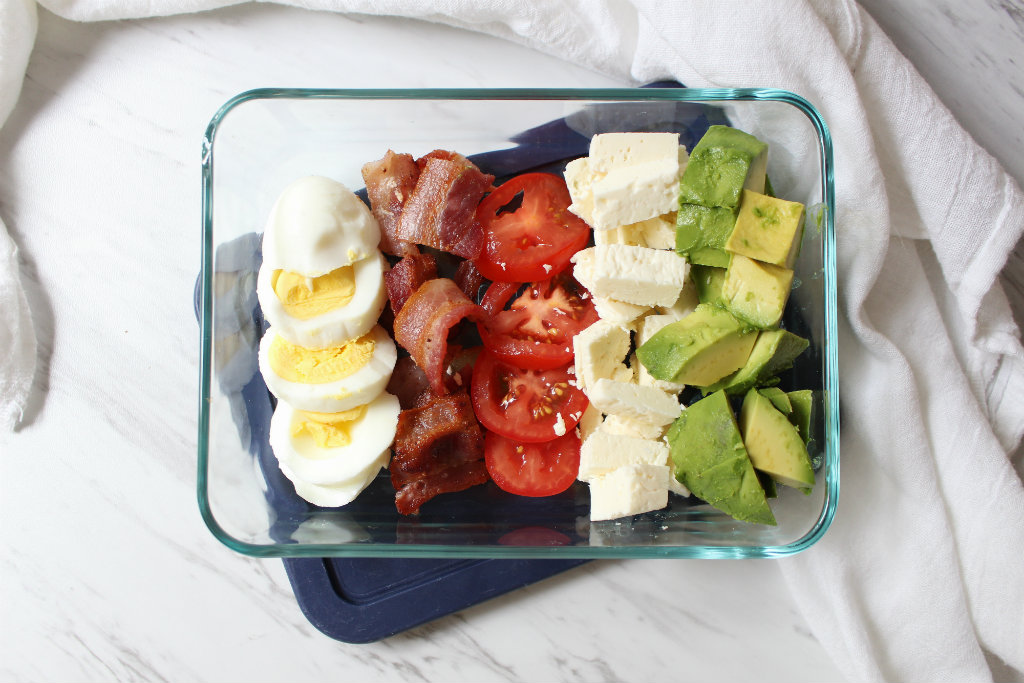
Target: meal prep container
pixel 261 140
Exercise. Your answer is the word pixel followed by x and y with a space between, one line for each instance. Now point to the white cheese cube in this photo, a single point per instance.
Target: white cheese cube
pixel 600 351
pixel 635 275
pixel 610 150
pixel 685 304
pixel 603 452
pixel 579 179
pixel 629 194
pixel 589 422
pixel 629 490
pixel 643 404
pixel 618 312
pixel 657 233
pixel 627 426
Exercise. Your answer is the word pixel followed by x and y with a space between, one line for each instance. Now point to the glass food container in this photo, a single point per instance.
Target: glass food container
pixel 261 140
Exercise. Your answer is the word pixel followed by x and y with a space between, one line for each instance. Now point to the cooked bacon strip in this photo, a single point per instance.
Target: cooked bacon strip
pixel 406 276
pixel 415 491
pixel 469 279
pixel 423 324
pixel 438 448
pixel 389 183
pixel 409 384
pixel 441 212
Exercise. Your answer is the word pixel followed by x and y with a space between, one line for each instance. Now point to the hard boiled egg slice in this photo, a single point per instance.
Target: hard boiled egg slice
pixel 316 225
pixel 328 380
pixel 326 310
pixel 334 449
pixel 336 495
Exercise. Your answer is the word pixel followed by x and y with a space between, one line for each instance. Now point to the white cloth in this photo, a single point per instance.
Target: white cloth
pixel 921 573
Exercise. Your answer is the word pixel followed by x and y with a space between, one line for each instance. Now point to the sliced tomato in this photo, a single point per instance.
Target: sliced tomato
pixel 529 233
pixel 532 469
pixel 529 406
pixel 537 329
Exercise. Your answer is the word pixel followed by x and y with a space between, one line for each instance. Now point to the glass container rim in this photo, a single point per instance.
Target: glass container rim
pixel 677 94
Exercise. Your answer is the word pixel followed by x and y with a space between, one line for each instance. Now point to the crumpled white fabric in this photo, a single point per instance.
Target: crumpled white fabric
pixel 921 573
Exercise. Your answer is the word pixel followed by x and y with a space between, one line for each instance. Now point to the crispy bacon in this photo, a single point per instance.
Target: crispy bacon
pixel 439 448
pixel 409 384
pixel 423 324
pixel 389 183
pixel 406 276
pixel 469 279
pixel 441 212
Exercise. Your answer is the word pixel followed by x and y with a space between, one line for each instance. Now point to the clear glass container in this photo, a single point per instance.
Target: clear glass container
pixel 261 140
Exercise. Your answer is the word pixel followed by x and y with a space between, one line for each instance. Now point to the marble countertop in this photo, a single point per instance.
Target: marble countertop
pixel 108 572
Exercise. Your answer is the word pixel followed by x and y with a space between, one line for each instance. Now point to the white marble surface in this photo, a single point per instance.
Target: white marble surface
pixel 108 572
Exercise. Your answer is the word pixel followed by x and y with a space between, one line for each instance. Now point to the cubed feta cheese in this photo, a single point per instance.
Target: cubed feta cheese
pixel 643 404
pixel 618 312
pixel 600 351
pixel 589 422
pixel 685 304
pixel 610 150
pixel 629 194
pixel 579 180
pixel 629 490
pixel 636 275
pixel 603 452
pixel 627 426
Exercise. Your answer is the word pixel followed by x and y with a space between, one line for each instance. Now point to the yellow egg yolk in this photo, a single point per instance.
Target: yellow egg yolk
pixel 319 366
pixel 307 297
pixel 328 430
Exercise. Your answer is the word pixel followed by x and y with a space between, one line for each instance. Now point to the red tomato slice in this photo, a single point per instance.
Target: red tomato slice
pixel 536 331
pixel 529 233
pixel 525 405
pixel 532 469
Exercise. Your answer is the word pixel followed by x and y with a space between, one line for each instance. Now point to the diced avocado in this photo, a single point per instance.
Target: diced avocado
pixel 802 401
pixel 773 352
pixel 723 163
pixel 778 398
pixel 711 461
pixel 756 292
pixel 767 229
pixel 768 189
pixel 773 443
pixel 708 281
pixel 701 234
pixel 768 484
pixel 699 349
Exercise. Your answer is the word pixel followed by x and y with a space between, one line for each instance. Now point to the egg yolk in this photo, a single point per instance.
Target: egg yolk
pixel 307 297
pixel 328 430
pixel 295 363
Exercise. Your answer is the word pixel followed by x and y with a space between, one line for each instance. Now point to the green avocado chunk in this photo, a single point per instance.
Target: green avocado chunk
pixel 773 443
pixel 701 234
pixel 700 349
pixel 756 292
pixel 778 398
pixel 708 281
pixel 722 164
pixel 711 461
pixel 802 401
pixel 767 229
pixel 773 352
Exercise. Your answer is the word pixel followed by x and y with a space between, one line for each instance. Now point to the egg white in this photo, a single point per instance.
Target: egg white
pixel 316 225
pixel 302 459
pixel 336 495
pixel 359 388
pixel 338 324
